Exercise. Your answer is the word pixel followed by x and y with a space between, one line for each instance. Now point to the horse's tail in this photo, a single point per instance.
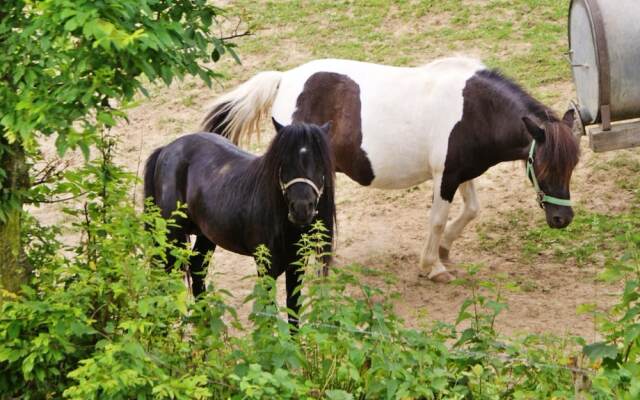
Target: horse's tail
pixel 149 174
pixel 236 115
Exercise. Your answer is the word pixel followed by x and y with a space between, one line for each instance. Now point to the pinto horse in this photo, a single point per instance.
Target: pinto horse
pixel 238 201
pixel 450 121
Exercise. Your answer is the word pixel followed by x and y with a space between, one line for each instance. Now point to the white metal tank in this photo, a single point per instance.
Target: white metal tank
pixel 604 42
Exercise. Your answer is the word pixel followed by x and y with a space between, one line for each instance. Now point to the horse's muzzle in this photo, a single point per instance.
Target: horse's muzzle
pixel 560 217
pixel 302 212
pixel 301 221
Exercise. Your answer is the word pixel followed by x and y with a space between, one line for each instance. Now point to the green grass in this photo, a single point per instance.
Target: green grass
pixel 593 238
pixel 526 38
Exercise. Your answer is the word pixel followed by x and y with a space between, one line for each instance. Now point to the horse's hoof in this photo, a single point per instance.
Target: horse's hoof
pixel 443 277
pixel 447 262
pixel 457 273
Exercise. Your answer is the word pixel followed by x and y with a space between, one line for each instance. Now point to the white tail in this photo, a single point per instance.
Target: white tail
pixel 240 111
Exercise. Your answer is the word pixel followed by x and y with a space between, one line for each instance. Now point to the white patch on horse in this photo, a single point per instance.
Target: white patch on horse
pixel 224 169
pixel 407 113
pixel 303 150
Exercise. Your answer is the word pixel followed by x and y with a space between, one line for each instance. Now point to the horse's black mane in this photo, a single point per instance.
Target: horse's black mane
pixel 519 96
pixel 561 151
pixel 267 195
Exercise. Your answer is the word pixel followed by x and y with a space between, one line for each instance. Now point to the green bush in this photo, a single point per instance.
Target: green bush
pixel 103 320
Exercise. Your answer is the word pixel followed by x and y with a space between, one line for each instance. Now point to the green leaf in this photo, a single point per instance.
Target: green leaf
pixel 144 306
pixel 27 364
pixel 215 55
pixel 14 330
pixel 106 118
pixel 338 395
pixel 234 55
pixel 8 354
pixel 586 308
pixel 631 333
pixel 600 350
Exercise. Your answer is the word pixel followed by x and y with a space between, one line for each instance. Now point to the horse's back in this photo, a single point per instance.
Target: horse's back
pixel 406 113
pixel 191 157
pixel 203 146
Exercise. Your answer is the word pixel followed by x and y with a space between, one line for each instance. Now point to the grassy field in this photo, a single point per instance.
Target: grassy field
pixel 525 38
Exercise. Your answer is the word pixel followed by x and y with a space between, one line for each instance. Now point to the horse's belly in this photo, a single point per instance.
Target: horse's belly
pixel 399 168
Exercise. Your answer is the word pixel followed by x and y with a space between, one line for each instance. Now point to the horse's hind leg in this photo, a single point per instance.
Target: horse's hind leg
pixel 454 229
pixel 437 220
pixel 197 267
pixel 179 237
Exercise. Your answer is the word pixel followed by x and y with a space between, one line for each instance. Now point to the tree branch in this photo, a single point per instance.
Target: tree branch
pixel 53 201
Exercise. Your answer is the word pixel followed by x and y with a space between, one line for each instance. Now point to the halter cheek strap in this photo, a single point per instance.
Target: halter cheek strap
pixel 542 197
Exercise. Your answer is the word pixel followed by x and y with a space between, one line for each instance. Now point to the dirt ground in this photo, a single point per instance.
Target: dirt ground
pixel 385 230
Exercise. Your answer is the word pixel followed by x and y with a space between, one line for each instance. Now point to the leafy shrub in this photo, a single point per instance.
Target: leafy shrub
pixel 619 353
pixel 102 319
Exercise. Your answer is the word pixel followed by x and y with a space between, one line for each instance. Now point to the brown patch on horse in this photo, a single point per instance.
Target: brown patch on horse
pixel 444 256
pixel 329 96
pixel 492 114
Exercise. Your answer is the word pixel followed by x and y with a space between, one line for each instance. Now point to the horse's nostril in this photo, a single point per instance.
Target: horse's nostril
pixel 557 220
pixel 310 205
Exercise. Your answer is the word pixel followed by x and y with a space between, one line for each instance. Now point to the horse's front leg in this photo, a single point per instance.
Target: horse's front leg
pixel 454 229
pixel 294 280
pixel 430 258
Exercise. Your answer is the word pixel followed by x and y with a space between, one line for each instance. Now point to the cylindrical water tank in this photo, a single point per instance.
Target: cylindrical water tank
pixel 604 38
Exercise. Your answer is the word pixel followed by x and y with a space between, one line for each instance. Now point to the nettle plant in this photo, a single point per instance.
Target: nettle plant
pixel 619 353
pixel 102 318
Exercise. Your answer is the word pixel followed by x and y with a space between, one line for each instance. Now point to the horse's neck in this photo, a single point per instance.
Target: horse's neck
pixel 261 185
pixel 264 192
pixel 511 142
pixel 513 145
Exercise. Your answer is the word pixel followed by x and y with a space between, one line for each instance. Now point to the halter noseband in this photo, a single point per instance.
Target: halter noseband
pixel 541 196
pixel 284 186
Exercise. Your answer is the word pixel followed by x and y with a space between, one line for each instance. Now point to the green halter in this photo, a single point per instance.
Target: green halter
pixel 542 197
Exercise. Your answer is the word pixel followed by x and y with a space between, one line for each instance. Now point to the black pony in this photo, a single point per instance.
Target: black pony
pixel 238 200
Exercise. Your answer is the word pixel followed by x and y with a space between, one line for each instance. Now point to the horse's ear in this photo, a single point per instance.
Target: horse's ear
pixel 536 132
pixel 277 125
pixel 326 128
pixel 569 117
